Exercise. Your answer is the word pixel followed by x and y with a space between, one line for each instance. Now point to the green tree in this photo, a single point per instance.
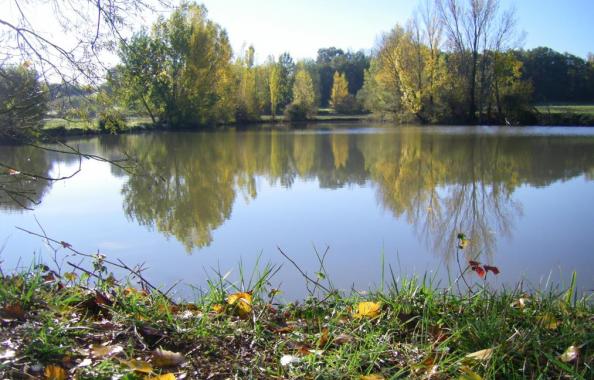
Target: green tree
pixel 274 81
pixel 23 102
pixel 303 105
pixel 190 78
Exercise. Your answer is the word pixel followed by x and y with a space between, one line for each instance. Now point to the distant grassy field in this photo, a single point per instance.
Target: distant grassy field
pixel 54 123
pixel 584 109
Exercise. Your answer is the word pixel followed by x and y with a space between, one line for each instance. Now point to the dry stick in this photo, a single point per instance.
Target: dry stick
pixel 120 265
pixel 302 272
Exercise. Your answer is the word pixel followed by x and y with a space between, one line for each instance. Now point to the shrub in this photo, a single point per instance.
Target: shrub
pixel 112 121
pixel 297 112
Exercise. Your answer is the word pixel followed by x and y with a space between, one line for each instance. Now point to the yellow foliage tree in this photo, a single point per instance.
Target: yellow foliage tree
pixel 340 89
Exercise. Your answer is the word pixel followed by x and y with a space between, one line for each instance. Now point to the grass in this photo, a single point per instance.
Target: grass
pixel 584 109
pixel 86 325
pixel 89 125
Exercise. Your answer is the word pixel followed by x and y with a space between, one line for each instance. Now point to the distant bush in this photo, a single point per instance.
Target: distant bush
pixel 348 105
pixel 112 121
pixel 297 112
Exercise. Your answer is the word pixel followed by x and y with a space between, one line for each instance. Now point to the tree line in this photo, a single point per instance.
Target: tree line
pixel 454 61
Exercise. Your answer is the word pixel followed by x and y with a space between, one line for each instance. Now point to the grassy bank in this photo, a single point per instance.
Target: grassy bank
pixel 85 325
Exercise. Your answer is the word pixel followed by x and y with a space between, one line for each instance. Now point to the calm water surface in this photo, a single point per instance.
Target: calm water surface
pixel 525 197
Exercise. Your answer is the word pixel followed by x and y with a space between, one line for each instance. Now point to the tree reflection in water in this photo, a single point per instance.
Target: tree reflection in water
pixel 441 181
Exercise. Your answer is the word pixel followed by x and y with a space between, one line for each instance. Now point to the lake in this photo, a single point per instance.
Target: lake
pixel 205 201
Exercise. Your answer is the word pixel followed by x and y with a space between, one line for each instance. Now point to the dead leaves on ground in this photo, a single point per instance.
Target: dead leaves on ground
pixel 368 310
pixel 242 302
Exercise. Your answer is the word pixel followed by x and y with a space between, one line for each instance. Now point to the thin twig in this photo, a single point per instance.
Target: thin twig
pixel 303 273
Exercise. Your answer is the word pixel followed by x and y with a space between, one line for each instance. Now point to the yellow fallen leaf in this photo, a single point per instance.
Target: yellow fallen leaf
pixel 164 358
pixel 481 355
pixel 570 355
pixel 548 321
pixel 166 376
pixel 138 365
pixel 98 351
pixel 242 301
pixel 468 374
pixel 218 308
pixel 368 309
pixel 70 276
pixel 54 372
pixel 372 377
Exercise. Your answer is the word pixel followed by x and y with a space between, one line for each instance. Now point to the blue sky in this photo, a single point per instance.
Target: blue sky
pixel 303 26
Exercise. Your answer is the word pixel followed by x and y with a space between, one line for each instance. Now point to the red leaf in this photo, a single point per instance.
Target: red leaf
pixel 66 245
pixel 479 270
pixel 473 263
pixel 495 270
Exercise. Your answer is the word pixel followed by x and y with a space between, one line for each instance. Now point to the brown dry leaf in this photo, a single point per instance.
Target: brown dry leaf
pixel 468 374
pixel 99 351
pixel 323 339
pixel 164 358
pixel 166 376
pixel 54 372
pixel 342 339
pixel 137 365
pixel 570 355
pixel 548 321
pixel 372 377
pixel 481 355
pixel 242 301
pixel 368 309
pixel 283 330
pixel 13 311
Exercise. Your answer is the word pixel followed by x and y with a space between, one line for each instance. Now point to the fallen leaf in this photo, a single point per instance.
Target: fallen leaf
pixel 548 321
pixel 13 311
pixel 289 359
pixel 242 301
pixel 164 358
pixel 323 338
pixel 342 339
pixel 166 376
pixel 490 268
pixel 570 355
pixel 468 374
pixel 371 377
pixel 368 309
pixel 137 365
pixel 85 363
pixel 7 354
pixel 99 351
pixel 54 372
pixel 481 355
pixel 283 330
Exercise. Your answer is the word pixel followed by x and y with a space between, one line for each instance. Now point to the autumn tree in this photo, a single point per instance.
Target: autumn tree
pixel 474 29
pixel 340 90
pixel 274 81
pixel 189 76
pixel 303 105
